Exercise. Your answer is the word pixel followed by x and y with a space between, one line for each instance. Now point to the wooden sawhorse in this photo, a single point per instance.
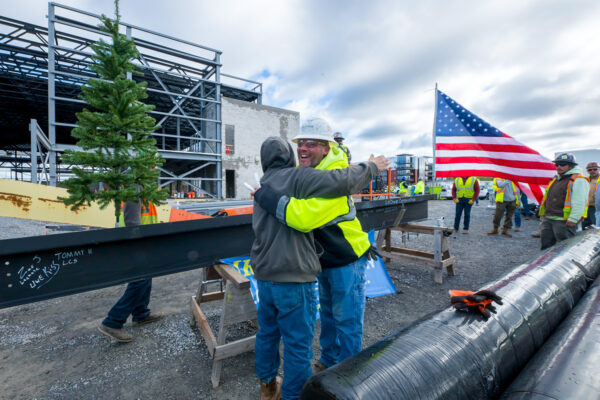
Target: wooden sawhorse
pixel 438 259
pixel 238 306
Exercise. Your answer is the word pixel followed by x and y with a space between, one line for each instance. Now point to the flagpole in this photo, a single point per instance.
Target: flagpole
pixel 434 128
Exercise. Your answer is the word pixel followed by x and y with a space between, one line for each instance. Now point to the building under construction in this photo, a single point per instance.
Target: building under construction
pixel 42 70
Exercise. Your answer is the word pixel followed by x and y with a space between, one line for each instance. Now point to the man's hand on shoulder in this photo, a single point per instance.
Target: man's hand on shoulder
pixel 381 162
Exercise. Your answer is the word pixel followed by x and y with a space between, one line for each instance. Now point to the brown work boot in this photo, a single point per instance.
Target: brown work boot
pixel 493 231
pixel 505 232
pixel 536 235
pixel 517 229
pixel 318 366
pixel 118 334
pixel 465 231
pixel 271 390
pixel 152 317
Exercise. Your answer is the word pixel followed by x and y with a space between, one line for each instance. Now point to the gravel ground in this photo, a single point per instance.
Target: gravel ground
pixel 52 350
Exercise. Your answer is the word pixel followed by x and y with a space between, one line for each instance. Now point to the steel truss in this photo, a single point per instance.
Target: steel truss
pixel 42 68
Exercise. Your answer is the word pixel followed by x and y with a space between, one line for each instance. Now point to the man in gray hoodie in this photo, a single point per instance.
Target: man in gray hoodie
pixel 285 263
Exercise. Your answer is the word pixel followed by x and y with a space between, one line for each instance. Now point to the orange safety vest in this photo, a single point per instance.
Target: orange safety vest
pixel 149 214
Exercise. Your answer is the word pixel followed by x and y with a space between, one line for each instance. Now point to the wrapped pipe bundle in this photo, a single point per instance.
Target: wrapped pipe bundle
pixel 457 355
pixel 566 367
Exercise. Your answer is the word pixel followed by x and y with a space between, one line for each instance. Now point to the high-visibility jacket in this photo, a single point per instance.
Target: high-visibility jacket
pixel 346 151
pixel 567 205
pixel 149 214
pixel 333 221
pixel 420 187
pixel 500 191
pixel 402 187
pixel 465 188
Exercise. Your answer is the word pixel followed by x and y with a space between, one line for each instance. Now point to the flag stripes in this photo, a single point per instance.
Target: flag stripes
pixel 467 145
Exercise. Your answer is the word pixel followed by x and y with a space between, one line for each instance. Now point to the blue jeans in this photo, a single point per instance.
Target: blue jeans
pixel 517 216
pixel 463 204
pixel 134 302
pixel 288 311
pixel 525 204
pixel 342 298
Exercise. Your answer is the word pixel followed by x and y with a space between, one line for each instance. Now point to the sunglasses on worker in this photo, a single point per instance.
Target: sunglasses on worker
pixel 592 169
pixel 561 164
pixel 310 144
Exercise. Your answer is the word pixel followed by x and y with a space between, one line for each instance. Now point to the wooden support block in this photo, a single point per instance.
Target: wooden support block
pixel 231 274
pixel 207 334
pixel 238 306
pixel 438 259
pixel 206 297
pixel 234 348
pixel 437 275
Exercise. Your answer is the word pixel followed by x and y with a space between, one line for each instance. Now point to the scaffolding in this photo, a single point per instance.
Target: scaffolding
pixel 41 74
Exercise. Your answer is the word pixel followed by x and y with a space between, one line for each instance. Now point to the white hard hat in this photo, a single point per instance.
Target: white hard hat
pixel 315 128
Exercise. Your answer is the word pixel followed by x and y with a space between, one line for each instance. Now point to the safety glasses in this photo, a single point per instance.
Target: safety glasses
pixel 310 144
pixel 558 164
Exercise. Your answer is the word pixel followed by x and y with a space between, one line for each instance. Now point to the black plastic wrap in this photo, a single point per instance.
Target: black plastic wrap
pixel 567 365
pixel 457 355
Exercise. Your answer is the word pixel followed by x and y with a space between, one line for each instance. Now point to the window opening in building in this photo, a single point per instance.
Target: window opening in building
pixel 229 139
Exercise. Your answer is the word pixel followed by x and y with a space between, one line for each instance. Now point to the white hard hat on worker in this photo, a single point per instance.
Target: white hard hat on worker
pixel 314 141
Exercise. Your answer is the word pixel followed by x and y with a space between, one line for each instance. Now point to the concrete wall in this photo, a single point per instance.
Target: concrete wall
pixel 253 124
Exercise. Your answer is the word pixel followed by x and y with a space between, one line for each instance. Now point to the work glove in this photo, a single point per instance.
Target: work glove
pixel 471 201
pixel 480 301
pixel 372 253
pixel 456 201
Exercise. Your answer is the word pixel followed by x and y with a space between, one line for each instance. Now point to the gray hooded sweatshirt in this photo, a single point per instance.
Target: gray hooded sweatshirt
pixel 280 253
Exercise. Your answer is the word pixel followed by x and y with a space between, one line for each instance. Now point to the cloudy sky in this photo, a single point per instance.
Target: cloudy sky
pixel 530 68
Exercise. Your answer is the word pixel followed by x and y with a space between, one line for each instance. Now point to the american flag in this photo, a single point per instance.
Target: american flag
pixel 467 145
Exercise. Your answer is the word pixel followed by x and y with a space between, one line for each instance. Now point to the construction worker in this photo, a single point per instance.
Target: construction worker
pixel 419 187
pixel 284 260
pixel 136 298
pixel 339 139
pixel 464 192
pixel 592 170
pixel 507 199
pixel 565 201
pixel 403 186
pixel 346 248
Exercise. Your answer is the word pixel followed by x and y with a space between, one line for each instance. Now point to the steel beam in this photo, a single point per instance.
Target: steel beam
pixel 44 267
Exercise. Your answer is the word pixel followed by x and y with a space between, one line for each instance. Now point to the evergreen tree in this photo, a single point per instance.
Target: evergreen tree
pixel 119 150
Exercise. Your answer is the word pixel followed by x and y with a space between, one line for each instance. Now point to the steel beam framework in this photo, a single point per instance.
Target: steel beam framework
pixel 47 67
pixel 43 267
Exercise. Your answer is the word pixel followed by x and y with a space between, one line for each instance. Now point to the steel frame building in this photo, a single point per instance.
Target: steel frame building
pixel 42 71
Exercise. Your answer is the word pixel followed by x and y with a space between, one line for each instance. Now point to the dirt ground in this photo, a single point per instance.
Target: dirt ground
pixel 52 349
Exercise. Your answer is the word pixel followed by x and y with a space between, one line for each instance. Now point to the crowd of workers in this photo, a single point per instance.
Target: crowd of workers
pixel 306 230
pixel 569 202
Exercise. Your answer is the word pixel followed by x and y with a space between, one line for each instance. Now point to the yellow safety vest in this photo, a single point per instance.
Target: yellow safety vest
pixel 500 191
pixel 567 206
pixel 465 189
pixel 420 187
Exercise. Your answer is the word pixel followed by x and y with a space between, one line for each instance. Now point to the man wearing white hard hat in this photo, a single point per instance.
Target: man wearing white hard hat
pixel 285 260
pixel 346 247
